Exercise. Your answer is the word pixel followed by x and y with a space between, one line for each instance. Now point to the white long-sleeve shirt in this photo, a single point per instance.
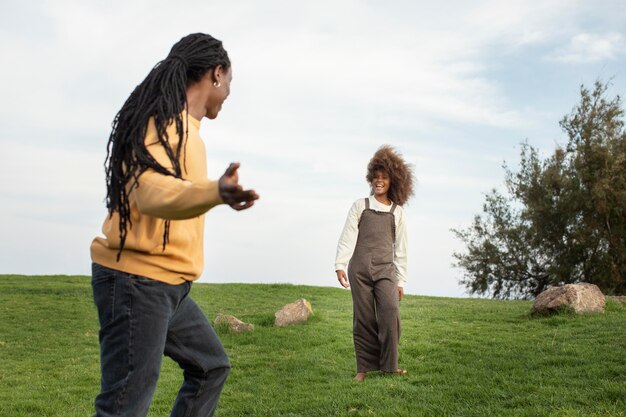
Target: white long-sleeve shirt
pixel 347 241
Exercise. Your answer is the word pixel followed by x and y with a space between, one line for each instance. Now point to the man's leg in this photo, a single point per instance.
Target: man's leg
pixel 192 342
pixel 134 314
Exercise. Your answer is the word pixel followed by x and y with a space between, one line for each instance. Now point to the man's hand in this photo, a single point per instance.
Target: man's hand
pixel 400 293
pixel 343 279
pixel 232 193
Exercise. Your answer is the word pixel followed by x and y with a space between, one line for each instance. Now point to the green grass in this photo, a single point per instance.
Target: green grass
pixel 466 357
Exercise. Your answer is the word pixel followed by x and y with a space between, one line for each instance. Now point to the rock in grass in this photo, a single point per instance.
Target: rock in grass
pixel 581 298
pixel 618 298
pixel 296 312
pixel 233 323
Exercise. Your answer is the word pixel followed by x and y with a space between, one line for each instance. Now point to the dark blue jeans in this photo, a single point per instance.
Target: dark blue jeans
pixel 142 319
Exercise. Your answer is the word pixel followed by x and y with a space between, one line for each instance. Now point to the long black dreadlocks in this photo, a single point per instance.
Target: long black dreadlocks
pixel 161 95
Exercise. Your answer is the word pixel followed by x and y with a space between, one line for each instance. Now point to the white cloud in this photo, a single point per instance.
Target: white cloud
pixel 317 87
pixel 591 47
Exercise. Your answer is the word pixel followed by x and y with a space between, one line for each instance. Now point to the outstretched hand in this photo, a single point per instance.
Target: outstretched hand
pixel 232 193
pixel 343 279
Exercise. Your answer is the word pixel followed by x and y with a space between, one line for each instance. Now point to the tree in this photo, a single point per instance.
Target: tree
pixel 562 218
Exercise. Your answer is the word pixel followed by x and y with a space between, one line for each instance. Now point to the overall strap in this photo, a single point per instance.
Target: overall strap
pixel 393 207
pixel 367 207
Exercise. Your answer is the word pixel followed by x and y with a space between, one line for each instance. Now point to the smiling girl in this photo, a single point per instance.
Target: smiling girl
pixel 373 246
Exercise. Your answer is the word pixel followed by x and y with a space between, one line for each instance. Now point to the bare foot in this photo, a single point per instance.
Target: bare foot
pixel 360 376
pixel 396 372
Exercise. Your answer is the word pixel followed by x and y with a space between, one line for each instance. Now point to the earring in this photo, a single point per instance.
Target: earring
pixel 216 84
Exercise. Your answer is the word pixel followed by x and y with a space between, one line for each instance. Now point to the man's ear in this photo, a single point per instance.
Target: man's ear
pixel 218 73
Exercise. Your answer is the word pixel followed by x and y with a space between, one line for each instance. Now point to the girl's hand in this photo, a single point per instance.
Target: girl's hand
pixel 343 279
pixel 400 293
pixel 232 193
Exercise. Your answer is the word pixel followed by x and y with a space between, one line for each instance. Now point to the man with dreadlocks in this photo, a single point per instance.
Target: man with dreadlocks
pixel 152 249
pixel 373 246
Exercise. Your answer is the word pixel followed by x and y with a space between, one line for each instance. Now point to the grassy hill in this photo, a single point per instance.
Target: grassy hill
pixel 466 357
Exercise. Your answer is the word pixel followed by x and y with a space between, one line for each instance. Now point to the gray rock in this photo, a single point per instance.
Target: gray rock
pixel 234 324
pixel 296 312
pixel 581 298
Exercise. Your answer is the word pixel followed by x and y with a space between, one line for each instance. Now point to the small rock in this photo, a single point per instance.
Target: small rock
pixel 296 312
pixel 582 298
pixel 234 324
pixel 618 298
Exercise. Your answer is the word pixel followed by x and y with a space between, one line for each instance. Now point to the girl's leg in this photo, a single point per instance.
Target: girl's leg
pixel 365 329
pixel 388 317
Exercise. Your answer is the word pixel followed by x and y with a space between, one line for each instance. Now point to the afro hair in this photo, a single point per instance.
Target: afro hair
pixel 400 173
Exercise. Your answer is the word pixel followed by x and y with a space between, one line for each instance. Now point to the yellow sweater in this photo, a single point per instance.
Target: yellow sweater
pixel 159 197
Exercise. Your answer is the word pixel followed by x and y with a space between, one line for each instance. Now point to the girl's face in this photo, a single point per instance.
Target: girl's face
pixel 381 183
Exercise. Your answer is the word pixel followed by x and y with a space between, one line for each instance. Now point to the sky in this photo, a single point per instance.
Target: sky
pixel 454 86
